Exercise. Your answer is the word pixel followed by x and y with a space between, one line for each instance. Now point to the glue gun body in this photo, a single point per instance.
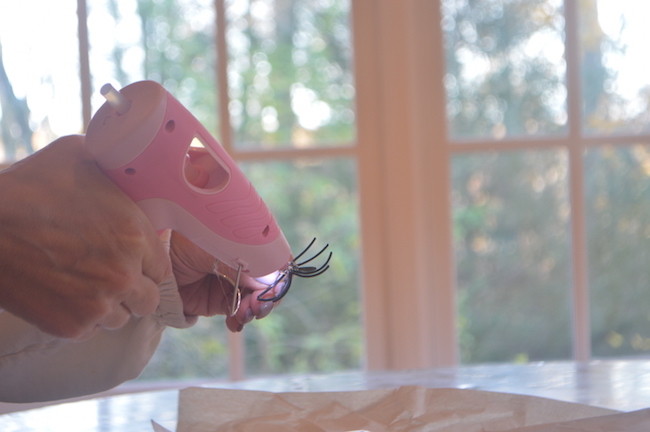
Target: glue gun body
pixel 160 155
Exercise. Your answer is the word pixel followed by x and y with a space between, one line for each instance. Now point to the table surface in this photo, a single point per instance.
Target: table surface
pixel 621 385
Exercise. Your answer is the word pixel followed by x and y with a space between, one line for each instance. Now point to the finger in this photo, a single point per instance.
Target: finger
pixel 117 318
pixel 87 334
pixel 138 230
pixel 194 174
pixel 233 324
pixel 156 264
pixel 244 315
pixel 264 309
pixel 250 309
pixel 144 298
pixel 207 297
pixel 190 263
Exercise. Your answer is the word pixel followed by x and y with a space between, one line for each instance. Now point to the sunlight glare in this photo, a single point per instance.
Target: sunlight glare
pixel 626 22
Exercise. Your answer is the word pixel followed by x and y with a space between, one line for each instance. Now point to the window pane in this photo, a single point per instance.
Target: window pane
pixel 317 327
pixel 513 255
pixel 615 66
pixel 171 42
pixel 42 75
pixel 618 201
pixel 198 352
pixel 505 68
pixel 290 73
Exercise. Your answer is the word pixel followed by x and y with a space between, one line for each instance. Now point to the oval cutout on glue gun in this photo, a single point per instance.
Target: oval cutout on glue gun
pixel 203 170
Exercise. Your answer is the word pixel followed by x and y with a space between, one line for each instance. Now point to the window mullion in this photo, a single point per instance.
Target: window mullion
pixel 576 148
pixel 432 165
pixel 236 348
pixel 84 62
pixel 226 138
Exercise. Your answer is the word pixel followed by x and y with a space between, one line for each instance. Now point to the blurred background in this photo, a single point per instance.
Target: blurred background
pixel 543 149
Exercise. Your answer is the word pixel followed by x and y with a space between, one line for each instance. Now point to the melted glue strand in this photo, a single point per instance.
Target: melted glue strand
pixel 236 300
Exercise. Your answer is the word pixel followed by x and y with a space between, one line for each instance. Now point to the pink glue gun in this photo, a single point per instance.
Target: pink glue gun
pixel 160 155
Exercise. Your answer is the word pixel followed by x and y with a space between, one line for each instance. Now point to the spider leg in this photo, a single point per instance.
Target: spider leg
pixel 313 271
pixel 284 292
pixel 298 269
pixel 318 272
pixel 308 271
pixel 275 283
pixel 313 257
pixel 301 271
pixel 304 270
pixel 261 295
pixel 305 249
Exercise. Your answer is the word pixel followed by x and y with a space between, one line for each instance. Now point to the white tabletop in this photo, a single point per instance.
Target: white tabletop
pixel 621 385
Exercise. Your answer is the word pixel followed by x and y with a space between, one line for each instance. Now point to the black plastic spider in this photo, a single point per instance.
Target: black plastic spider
pixel 295 268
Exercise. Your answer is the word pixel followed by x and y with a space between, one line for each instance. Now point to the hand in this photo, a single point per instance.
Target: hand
pixel 76 253
pixel 205 294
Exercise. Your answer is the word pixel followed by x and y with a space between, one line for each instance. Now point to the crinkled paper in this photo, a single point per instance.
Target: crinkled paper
pixel 408 408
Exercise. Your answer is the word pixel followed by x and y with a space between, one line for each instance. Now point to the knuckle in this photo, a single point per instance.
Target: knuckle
pixel 115 320
pixel 130 236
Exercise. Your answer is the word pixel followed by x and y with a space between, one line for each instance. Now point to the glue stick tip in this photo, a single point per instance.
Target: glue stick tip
pixel 115 99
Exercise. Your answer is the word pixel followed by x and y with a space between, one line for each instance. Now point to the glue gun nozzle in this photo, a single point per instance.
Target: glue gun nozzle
pixel 115 99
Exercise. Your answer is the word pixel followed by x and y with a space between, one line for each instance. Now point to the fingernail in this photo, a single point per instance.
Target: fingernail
pixel 265 309
pixel 248 316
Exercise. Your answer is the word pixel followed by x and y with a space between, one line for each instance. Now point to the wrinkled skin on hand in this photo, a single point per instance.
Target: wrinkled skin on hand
pixel 204 294
pixel 76 254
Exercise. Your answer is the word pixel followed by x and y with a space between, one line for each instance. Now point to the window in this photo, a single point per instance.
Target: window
pixel 273 82
pixel 39 76
pixel 553 228
pixel 511 180
pixel 506 81
pixel 496 152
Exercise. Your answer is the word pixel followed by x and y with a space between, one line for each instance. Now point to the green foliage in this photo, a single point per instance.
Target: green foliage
pixel 279 50
pixel 190 353
pixel 317 325
pixel 291 85
pixel 512 254
pixel 618 198
pixel 510 218
pixel 511 211
pixel 291 76
pixel 495 86
pixel 179 52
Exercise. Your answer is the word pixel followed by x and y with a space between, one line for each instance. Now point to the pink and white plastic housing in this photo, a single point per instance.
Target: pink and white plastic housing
pixel 143 145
